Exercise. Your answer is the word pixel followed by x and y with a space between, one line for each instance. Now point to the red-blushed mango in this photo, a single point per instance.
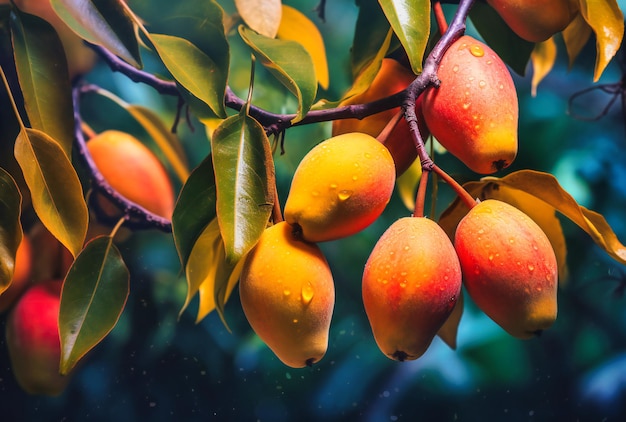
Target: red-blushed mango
pixel 21 275
pixel 536 20
pixel 474 113
pixel 32 336
pixel 133 171
pixel 340 187
pixel 509 267
pixel 411 283
pixel 288 295
pixel 392 78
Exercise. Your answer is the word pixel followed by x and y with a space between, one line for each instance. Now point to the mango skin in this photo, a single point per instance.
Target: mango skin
pixel 474 113
pixel 288 295
pixel 509 267
pixel 392 78
pixel 21 275
pixel 32 337
pixel 411 283
pixel 536 20
pixel 340 187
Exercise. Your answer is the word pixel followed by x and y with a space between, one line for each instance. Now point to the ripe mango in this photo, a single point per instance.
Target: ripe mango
pixel 474 113
pixel 411 283
pixel 22 271
pixel 288 295
pixel 340 187
pixel 509 267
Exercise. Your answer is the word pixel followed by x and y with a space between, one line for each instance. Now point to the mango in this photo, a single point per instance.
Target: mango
pixel 509 267
pixel 411 283
pixel 21 275
pixel 474 113
pixel 340 187
pixel 288 295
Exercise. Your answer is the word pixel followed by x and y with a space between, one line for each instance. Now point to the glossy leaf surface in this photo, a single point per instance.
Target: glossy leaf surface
pixel 10 227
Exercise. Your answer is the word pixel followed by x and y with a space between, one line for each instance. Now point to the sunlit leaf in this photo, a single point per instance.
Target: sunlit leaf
pixel 193 69
pixel 44 79
pixel 263 16
pixel 102 22
pixel 449 329
pixel 195 208
pixel 296 26
pixel 290 63
pixel 543 58
pixel 575 37
pixel 410 21
pixel 406 184
pixel 607 22
pixel 93 297
pixel 54 186
pixel 10 227
pixel 245 182
pixel 371 35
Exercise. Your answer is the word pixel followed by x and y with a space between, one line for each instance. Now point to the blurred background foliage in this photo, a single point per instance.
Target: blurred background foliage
pixel 158 366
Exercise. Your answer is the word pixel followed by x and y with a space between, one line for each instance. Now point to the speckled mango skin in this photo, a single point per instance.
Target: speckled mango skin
pixel 474 113
pixel 340 187
pixel 509 267
pixel 287 294
pixel 411 283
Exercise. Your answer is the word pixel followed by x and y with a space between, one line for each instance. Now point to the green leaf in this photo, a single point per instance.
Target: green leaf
pixel 512 49
pixel 371 35
pixel 406 184
pixel 44 79
pixel 10 227
pixel 263 16
pixel 195 209
pixel 245 182
pixel 93 297
pixel 102 22
pixel 55 188
pixel 191 69
pixel 290 63
pixel 607 21
pixel 410 21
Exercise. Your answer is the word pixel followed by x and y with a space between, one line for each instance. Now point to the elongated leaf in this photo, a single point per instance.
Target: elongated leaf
pixel 575 37
pixel 245 182
pixel 607 21
pixel 290 63
pixel 93 297
pixel 410 21
pixel 102 22
pixel 193 69
pixel 44 79
pixel 263 16
pixel 371 35
pixel 55 188
pixel 10 227
pixel 406 184
pixel 296 26
pixel 543 58
pixel 195 209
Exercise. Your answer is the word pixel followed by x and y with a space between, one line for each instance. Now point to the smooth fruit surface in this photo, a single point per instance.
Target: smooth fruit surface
pixel 134 171
pixel 411 283
pixel 21 275
pixel 509 267
pixel 340 187
pixel 288 295
pixel 536 20
pixel 474 113
pixel 32 336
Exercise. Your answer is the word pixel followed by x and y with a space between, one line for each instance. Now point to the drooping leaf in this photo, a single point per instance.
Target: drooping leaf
pixel 42 71
pixel 512 49
pixel 296 26
pixel 10 227
pixel 290 63
pixel 55 188
pixel 406 184
pixel 193 69
pixel 195 209
pixel 410 21
pixel 575 37
pixel 245 182
pixel 371 35
pixel 263 16
pixel 543 58
pixel 607 22
pixel 94 295
pixel 102 22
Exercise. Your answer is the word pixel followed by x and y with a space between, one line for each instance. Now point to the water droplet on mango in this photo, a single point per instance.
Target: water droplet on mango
pixel 477 51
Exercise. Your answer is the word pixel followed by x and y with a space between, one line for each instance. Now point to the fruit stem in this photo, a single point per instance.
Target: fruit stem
pixel 440 17
pixel 389 127
pixel 420 198
pixel 277 215
pixel 463 194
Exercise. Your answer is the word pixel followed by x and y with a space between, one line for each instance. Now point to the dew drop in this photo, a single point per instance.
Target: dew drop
pixel 354 177
pixel 539 288
pixel 535 247
pixel 315 193
pixel 481 231
pixel 445 277
pixel 406 248
pixel 471 78
pixel 295 321
pixel 477 127
pixel 490 257
pixel 356 164
pixel 466 106
pixel 511 240
pixel 307 294
pixel 343 195
pixel 368 155
pixel 403 284
pixel 501 86
pixel 531 267
pixel 385 281
pixel 455 68
pixel 482 84
pixel 477 51
pixel 333 186
pixel 489 61
pixel 286 293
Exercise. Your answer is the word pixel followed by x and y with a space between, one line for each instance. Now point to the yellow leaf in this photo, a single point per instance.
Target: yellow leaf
pixel 263 16
pixel 607 21
pixel 407 183
pixel 575 37
pixel 295 26
pixel 542 57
